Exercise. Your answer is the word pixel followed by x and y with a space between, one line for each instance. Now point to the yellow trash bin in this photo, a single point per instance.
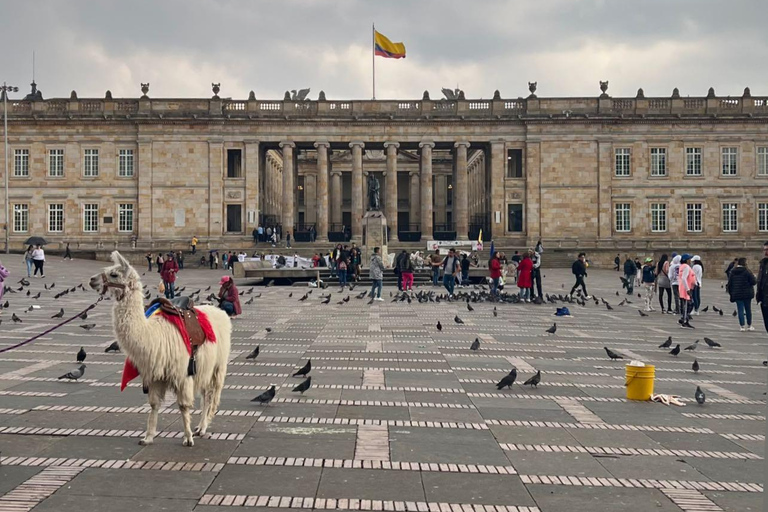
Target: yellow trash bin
pixel 639 382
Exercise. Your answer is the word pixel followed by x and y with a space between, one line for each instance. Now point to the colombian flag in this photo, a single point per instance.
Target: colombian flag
pixel 383 47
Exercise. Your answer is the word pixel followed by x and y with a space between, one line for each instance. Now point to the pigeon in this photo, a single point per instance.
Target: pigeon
pixel 23 282
pixel 695 366
pixel 641 313
pixel 301 388
pixel 81 355
pixel 249 301
pixel 553 329
pixel 15 318
pixel 716 309
pixel 84 315
pixel 508 380
pixel 74 374
pixel 327 300
pixel 734 313
pixel 114 347
pixel 241 293
pixel 475 344
pixel 254 354
pixel 720 312
pixel 29 293
pixel 37 296
pixel 60 314
pixel 458 320
pixel 700 396
pixel 250 291
pixel 266 396
pixel 30 308
pixel 268 329
pixel 705 309
pixel 667 343
pixel 534 381
pixel 290 295
pixel 469 307
pixel 495 313
pixel 207 289
pixel 439 326
pixel 711 343
pixel 623 302
pixel 692 346
pixel 88 327
pixel 675 350
pixel 608 307
pixel 346 299
pixel 613 355
pixel 6 304
pixel 304 370
pixel 617 293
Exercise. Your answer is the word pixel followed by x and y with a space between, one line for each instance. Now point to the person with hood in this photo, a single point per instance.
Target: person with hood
pixel 524 281
pixel 229 299
pixel 741 288
pixel 730 267
pixel 495 273
pixel 673 274
pixel 630 271
pixel 168 275
pixel 663 284
pixel 617 263
pixel 397 265
pixel 649 282
pixel 698 271
pixel 579 269
pixel 3 276
pixel 686 282
pixel 405 265
pixel 376 273
pixel 762 286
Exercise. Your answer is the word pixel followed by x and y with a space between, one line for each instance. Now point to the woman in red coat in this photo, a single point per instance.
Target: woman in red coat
pixel 495 273
pixel 229 297
pixel 524 281
pixel 168 275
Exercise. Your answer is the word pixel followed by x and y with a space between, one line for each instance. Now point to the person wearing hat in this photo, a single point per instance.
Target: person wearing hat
pixel 229 299
pixel 686 281
pixel 649 283
pixel 168 275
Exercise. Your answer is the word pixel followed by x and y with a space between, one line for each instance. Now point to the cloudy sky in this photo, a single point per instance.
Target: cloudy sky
pixel 181 46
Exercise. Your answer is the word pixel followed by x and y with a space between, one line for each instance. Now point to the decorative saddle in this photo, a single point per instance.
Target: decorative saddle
pixel 184 308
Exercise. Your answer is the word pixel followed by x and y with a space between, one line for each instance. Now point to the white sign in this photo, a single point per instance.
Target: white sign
pixel 434 245
pixel 180 217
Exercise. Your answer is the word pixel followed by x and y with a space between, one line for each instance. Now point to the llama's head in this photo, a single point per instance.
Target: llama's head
pixel 119 278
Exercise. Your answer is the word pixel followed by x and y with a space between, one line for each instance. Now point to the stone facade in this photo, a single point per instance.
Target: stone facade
pixel 603 173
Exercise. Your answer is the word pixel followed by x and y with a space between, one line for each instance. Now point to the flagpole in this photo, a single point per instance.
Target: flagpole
pixel 373 57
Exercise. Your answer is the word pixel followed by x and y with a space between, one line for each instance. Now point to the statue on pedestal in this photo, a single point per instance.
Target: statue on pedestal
pixel 373 193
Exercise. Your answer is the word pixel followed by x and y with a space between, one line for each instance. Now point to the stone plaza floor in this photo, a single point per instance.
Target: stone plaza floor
pixel 400 417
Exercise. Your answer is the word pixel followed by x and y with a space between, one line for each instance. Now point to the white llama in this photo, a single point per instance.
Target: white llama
pixel 157 350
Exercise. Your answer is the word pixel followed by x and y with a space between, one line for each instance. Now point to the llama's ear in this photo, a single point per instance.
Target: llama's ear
pixel 118 259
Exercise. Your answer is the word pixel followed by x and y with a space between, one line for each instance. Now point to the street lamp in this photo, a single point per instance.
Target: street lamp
pixel 4 90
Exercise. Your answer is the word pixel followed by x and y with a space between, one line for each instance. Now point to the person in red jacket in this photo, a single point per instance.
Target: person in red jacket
pixel 495 273
pixel 524 281
pixel 168 275
pixel 229 297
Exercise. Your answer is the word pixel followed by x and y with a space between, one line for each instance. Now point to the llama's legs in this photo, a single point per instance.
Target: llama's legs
pixel 156 396
pixel 211 399
pixel 202 427
pixel 186 400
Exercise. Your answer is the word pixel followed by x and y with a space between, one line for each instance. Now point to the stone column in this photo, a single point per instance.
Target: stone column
pixel 336 198
pixel 357 190
pixel 288 189
pixel 390 192
pixel 216 225
pixel 414 200
pixel 251 200
pixel 440 182
pixel 322 191
pixel 145 190
pixel 461 192
pixel 426 189
pixel 496 192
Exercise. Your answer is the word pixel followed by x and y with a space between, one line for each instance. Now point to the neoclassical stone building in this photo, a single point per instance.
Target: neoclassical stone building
pixel 601 172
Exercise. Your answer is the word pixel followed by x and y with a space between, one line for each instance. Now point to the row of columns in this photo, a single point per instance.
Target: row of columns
pixel 420 189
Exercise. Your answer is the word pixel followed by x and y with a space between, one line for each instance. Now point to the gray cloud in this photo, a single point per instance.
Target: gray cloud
pixel 180 47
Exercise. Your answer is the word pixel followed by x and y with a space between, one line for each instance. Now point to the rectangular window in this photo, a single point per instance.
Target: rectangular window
pixel 91 163
pixel 20 218
pixel 125 163
pixel 91 218
pixel 55 218
pixel 623 156
pixel 762 216
pixel 730 217
pixel 730 157
pixel 21 163
pixel 235 218
pixel 56 163
pixel 125 218
pixel 693 217
pixel 515 163
pixel 658 161
pixel 623 217
pixel 693 161
pixel 515 218
pixel 762 161
pixel 234 163
pixel 658 217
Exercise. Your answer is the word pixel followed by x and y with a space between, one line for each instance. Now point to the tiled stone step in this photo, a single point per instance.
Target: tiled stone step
pixel 359 421
pixel 87 432
pixel 641 483
pixel 370 403
pixel 598 450
pixel 33 491
pixel 599 426
pixel 690 500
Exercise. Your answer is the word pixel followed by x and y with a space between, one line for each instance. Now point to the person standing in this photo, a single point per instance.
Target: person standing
pixel 698 271
pixel 341 269
pixel 38 258
pixel 255 235
pixel 450 267
pixel 465 264
pixel 376 272
pixel 4 273
pixel 674 274
pixel 159 262
pixel 168 274
pixel 435 260
pixel 630 272
pixel 741 287
pixel 148 256
pixel 229 299
pixel 180 258
pixel 494 272
pixel 406 270
pixel 663 284
pixel 730 267
pixel 68 253
pixel 686 281
pixel 762 286
pixel 398 266
pixel 524 281
pixel 260 233
pixel 649 282
pixel 288 239
pixel 617 263
pixel 536 273
pixel 194 244
pixel 579 269
pixel 28 260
